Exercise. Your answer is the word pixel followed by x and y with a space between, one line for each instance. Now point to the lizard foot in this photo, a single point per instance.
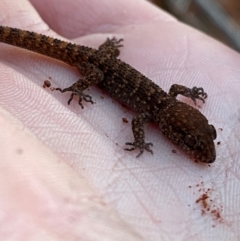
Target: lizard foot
pixel 198 93
pixel 142 146
pixel 82 96
pixel 116 42
pixel 111 46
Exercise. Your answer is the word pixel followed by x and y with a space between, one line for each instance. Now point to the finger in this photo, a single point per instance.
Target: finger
pixel 75 18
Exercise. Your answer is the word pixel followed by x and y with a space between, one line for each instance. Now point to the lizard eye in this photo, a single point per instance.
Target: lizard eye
pixel 213 130
pixel 190 141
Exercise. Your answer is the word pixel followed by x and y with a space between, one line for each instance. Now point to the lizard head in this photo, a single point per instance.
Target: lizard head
pixel 186 127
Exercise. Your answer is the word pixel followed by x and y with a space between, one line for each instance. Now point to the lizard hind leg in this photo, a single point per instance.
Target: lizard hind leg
pixel 91 76
pixel 76 91
pixel 111 46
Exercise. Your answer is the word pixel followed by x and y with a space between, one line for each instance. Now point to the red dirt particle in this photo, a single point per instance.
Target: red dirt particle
pixel 46 84
pixel 125 120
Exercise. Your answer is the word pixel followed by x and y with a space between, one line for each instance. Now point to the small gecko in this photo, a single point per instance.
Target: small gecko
pixel 184 125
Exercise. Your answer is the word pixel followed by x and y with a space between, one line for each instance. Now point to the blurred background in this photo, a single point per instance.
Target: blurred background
pixel 218 18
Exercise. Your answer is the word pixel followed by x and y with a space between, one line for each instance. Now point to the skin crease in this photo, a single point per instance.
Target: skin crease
pixel 96 184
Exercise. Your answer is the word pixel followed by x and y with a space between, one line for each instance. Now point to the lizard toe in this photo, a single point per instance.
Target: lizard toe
pixel 141 146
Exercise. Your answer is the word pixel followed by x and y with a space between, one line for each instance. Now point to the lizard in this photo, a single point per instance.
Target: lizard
pixel 183 124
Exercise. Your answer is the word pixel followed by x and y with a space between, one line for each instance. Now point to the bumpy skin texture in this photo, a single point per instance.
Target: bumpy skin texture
pixel 184 125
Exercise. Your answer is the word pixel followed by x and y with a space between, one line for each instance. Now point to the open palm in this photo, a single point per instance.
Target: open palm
pixel 64 170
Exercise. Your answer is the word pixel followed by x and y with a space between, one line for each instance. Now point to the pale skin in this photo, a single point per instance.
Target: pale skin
pixel 63 177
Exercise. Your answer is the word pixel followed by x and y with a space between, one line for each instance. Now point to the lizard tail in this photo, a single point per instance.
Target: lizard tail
pixel 42 44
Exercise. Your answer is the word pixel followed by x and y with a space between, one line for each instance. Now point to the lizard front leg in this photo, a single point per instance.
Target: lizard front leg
pixel 139 135
pixel 194 93
pixel 91 76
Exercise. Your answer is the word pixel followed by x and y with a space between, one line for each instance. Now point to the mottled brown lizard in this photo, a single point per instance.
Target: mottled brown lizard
pixel 184 125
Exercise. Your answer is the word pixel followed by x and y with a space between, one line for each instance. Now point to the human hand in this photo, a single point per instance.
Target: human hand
pixel 157 197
